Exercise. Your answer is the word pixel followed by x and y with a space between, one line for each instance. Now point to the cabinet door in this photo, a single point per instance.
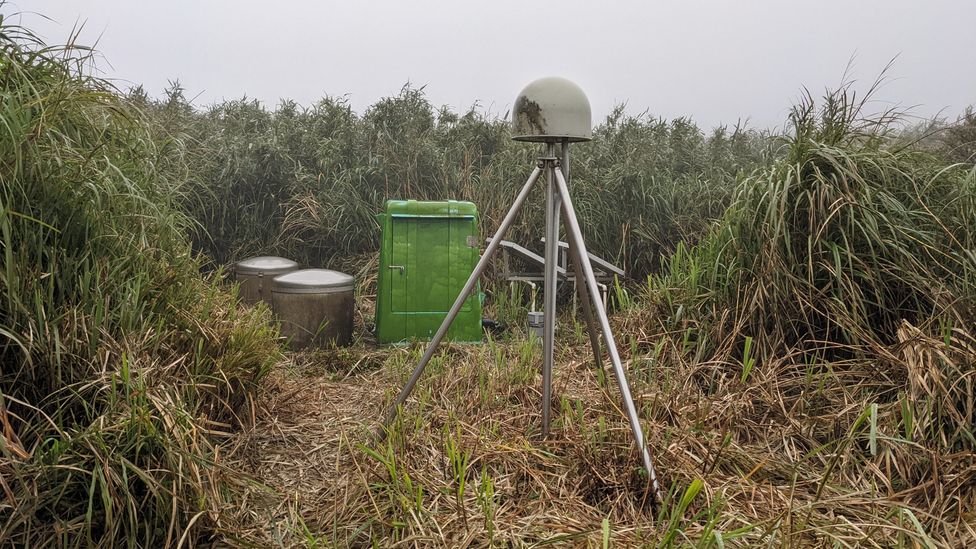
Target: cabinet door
pixel 430 289
pixel 429 250
pixel 399 263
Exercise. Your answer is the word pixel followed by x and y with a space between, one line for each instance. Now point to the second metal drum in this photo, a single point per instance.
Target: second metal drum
pixel 315 307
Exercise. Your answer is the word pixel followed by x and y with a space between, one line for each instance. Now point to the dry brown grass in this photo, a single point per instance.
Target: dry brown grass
pixel 784 458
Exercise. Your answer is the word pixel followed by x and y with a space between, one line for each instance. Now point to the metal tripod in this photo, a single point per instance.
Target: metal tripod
pixel 557 198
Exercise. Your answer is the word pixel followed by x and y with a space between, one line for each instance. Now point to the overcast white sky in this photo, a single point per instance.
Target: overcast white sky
pixel 716 61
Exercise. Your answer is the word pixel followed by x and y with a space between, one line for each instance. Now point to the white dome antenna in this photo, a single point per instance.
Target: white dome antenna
pixel 552 110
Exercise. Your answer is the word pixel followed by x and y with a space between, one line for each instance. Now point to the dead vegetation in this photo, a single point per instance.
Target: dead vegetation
pixel 796 455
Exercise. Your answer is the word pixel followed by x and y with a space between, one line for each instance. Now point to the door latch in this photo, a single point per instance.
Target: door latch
pixel 397 267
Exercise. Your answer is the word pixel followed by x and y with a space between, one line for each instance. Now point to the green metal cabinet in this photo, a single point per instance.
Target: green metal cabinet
pixel 428 251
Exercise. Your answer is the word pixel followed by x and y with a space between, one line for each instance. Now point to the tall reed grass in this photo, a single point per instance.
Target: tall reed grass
pixel 307 182
pixel 122 368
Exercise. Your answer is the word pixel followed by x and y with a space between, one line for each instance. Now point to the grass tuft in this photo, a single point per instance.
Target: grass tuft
pixel 123 369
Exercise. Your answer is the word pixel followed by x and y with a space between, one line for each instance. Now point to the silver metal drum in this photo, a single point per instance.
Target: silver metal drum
pixel 315 307
pixel 255 276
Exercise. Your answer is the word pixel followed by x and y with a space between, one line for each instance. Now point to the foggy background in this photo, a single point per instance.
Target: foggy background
pixel 715 61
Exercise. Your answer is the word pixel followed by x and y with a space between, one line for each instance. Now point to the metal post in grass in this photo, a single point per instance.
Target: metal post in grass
pixel 550 111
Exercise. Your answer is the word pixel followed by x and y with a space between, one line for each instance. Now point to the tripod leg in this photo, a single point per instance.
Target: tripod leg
pixel 578 284
pixel 459 302
pixel 549 295
pixel 585 304
pixel 576 241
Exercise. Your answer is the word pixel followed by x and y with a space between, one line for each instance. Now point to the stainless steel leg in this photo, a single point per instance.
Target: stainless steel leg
pixel 576 240
pixel 578 283
pixel 459 302
pixel 586 305
pixel 549 305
